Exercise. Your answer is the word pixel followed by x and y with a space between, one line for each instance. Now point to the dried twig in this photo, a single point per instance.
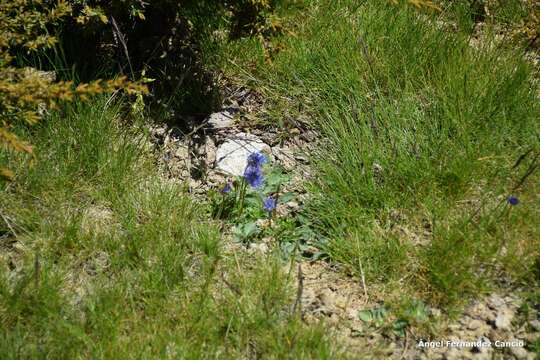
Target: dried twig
pixel 122 39
pixel 37 268
pixel 298 303
pixel 234 288
pixel 406 347
pixel 363 278
pixel 530 171
pixel 520 159
pixel 8 224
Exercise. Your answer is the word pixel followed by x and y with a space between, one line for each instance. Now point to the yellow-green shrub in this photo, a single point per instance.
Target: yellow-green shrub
pixel 26 92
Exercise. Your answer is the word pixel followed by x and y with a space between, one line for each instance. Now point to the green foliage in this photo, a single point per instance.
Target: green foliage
pixel 166 39
pixel 518 20
pixel 424 132
pixel 254 17
pixel 243 206
pixel 377 315
pixel 103 259
pixel 396 320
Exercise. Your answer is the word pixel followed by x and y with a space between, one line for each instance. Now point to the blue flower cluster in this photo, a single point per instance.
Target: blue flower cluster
pixel 512 200
pixel 256 159
pixel 227 188
pixel 269 204
pixel 254 177
pixel 253 172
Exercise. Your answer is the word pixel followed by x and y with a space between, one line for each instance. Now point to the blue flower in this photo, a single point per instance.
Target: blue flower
pixel 256 159
pixel 227 188
pixel 269 204
pixel 512 200
pixel 254 176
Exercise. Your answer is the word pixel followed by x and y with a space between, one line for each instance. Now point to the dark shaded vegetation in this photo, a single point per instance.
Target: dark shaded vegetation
pixel 160 40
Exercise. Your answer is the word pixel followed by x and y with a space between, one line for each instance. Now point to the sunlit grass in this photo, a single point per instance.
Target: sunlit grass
pixel 424 134
pixel 101 258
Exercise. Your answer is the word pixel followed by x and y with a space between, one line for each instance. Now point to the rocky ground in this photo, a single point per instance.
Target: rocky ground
pixel 207 154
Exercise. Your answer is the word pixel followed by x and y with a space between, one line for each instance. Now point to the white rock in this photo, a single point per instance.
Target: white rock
pixel 49 76
pixel 221 120
pixel 504 319
pixel 231 156
pixel 182 152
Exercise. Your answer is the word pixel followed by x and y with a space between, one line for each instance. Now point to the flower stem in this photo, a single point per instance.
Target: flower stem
pixel 222 205
pixel 242 195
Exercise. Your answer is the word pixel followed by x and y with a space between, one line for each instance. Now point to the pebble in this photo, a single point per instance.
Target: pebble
pixel 481 311
pixel 435 312
pixel 262 247
pixel 520 353
pixel 293 205
pixel 531 337
pixel 535 324
pixel 495 302
pixel 457 354
pixel 474 324
pixel 221 120
pixel 328 298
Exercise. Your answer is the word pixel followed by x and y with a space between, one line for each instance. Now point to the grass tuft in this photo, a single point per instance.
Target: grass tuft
pixel 423 127
pixel 101 258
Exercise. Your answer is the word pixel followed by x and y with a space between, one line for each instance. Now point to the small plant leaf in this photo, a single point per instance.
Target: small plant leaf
pixel 365 315
pixel 245 231
pixel 399 327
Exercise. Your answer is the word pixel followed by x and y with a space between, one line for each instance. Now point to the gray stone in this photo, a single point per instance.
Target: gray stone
pixel 328 298
pixel 261 248
pixel 293 205
pixel 457 354
pixel 482 356
pixel 465 320
pixel 301 158
pixel 377 168
pixel 210 149
pixel 285 155
pixel 474 324
pixel 535 324
pixel 480 310
pixel 531 337
pixel 221 120
pixel 263 223
pixel 436 313
pixel 495 301
pixel 181 152
pixel 231 156
pixel 282 210
pixel 519 353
